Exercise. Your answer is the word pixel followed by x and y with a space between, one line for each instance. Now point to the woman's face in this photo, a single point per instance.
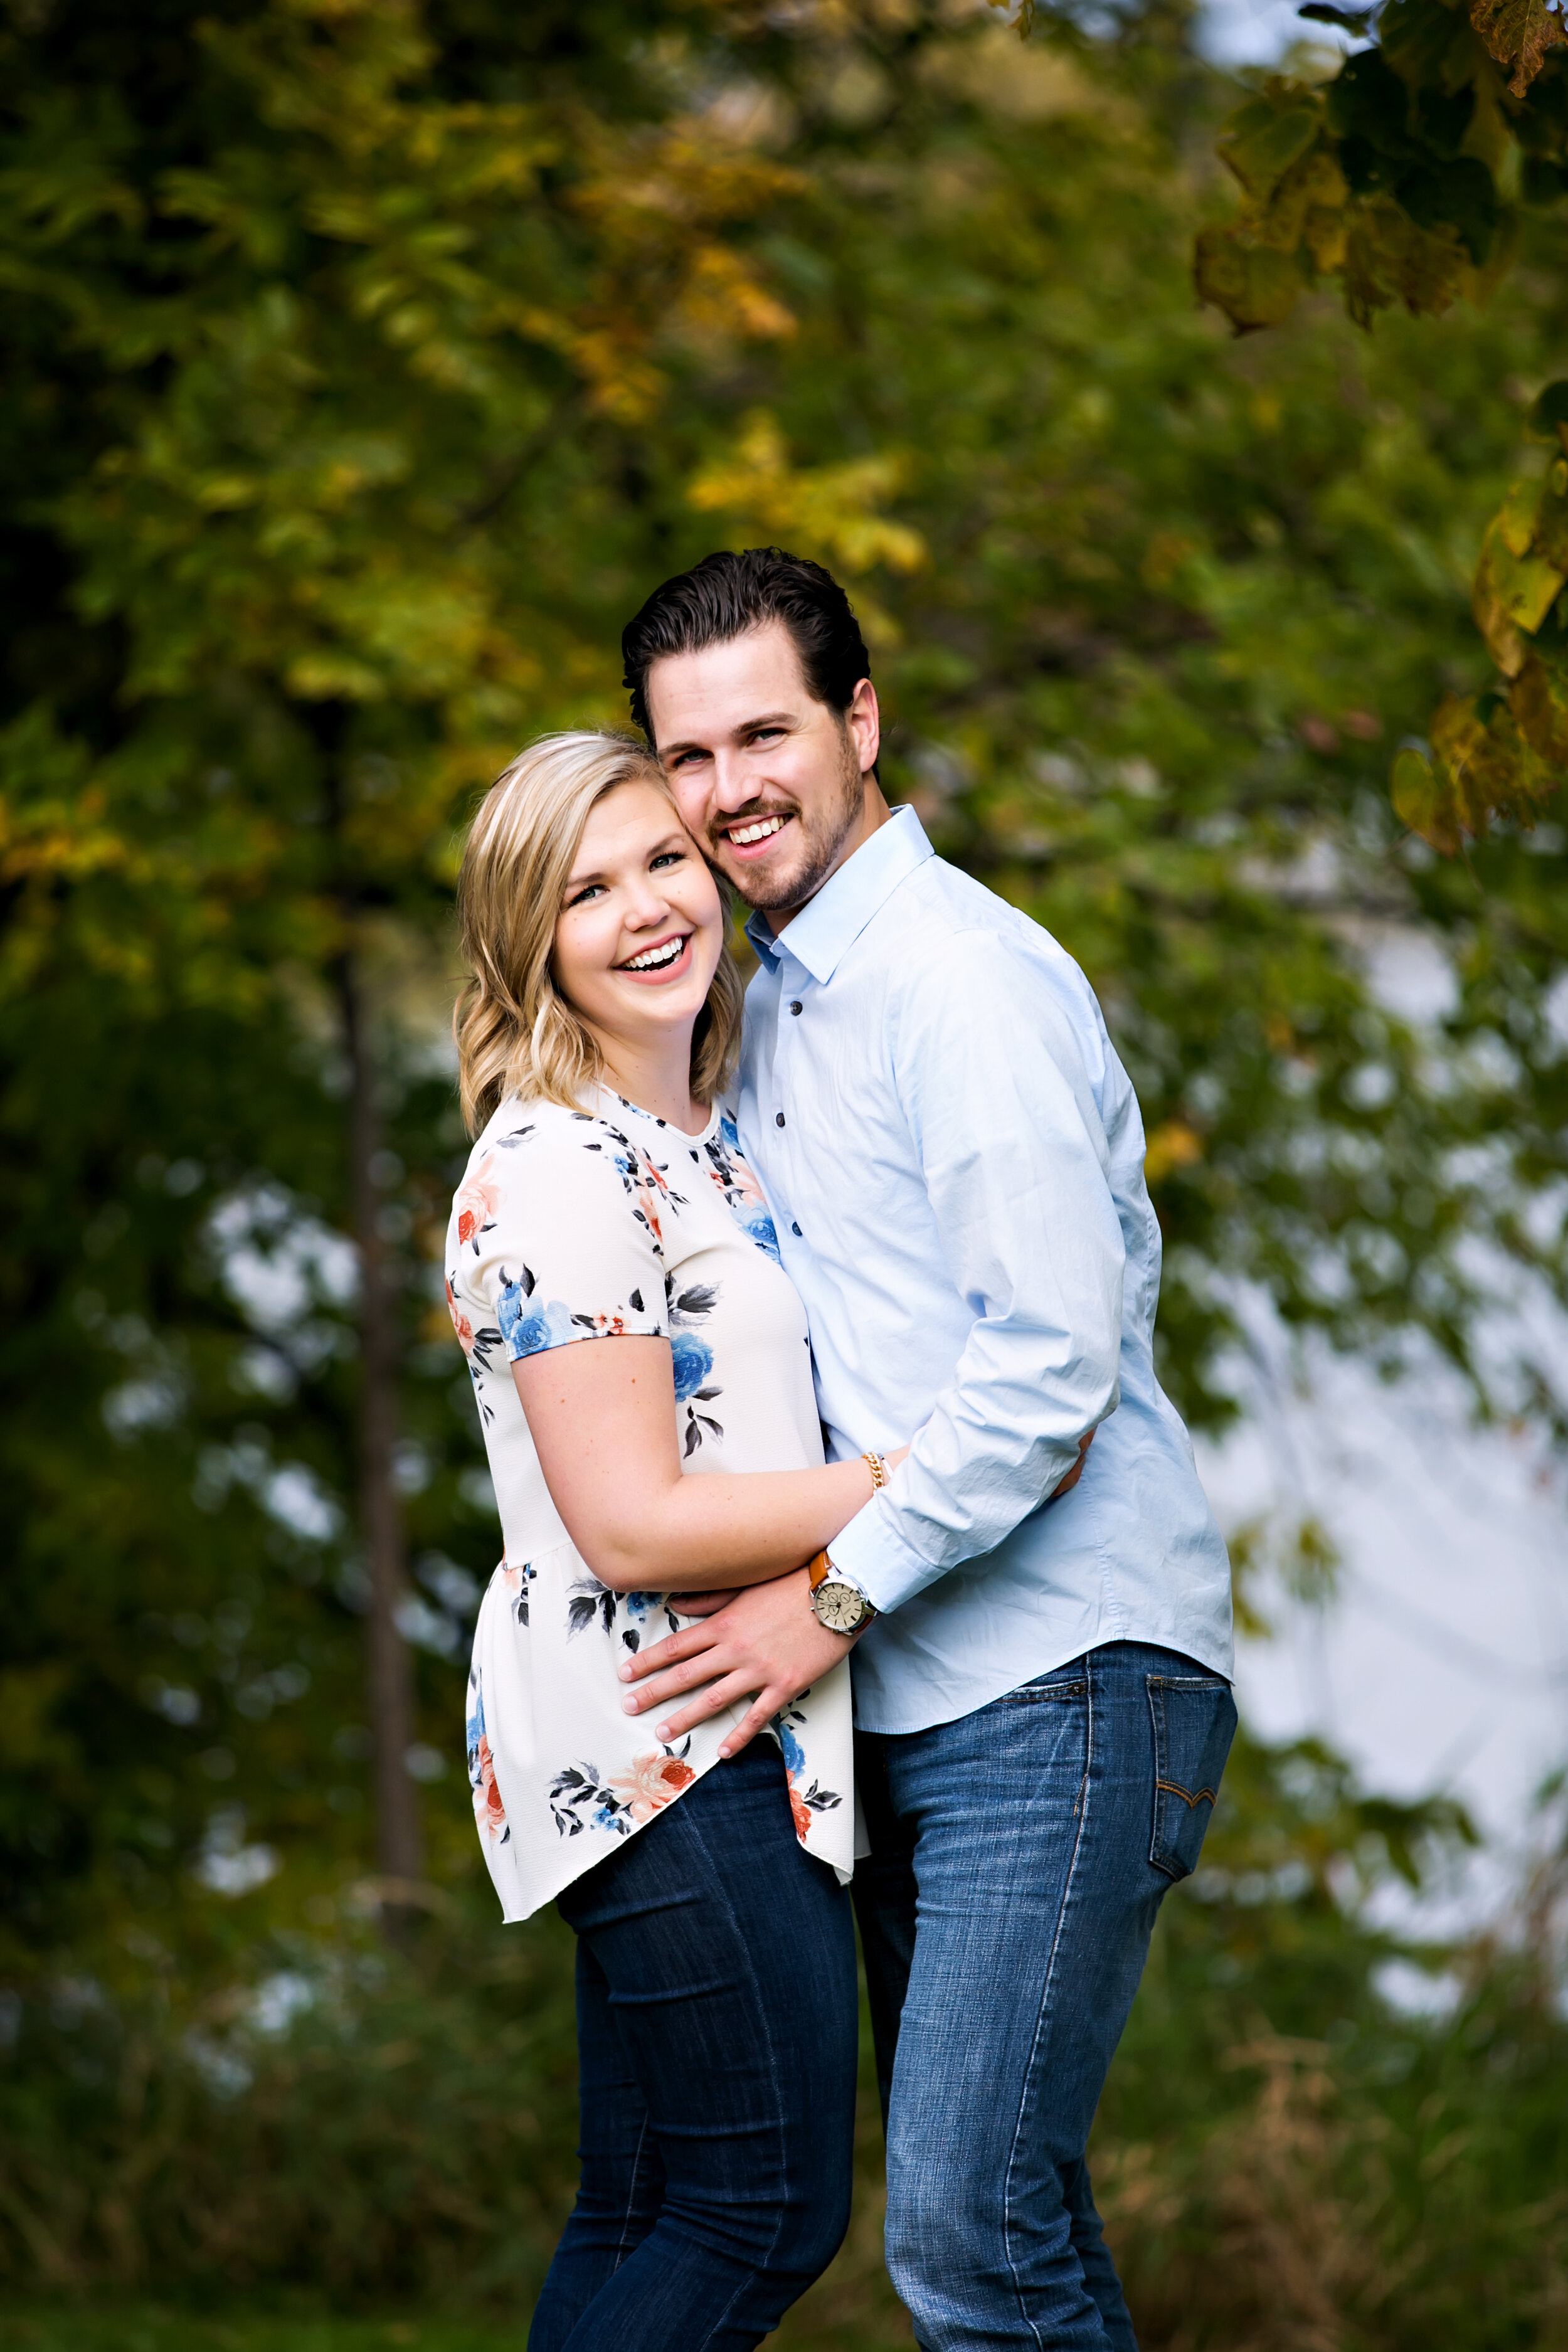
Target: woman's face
pixel 641 929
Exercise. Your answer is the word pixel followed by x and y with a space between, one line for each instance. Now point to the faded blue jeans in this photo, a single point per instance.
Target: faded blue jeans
pixel 1019 1856
pixel 716 2026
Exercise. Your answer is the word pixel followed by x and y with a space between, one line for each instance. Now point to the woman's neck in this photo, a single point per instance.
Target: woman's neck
pixel 658 1078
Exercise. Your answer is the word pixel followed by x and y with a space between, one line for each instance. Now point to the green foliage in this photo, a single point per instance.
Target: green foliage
pixel 1391 176
pixel 1404 177
pixel 405 2141
pixel 367 365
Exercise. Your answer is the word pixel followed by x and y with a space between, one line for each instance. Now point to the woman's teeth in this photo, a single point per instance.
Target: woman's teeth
pixel 742 836
pixel 655 959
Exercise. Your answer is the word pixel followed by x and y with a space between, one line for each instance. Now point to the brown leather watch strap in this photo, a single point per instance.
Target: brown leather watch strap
pixel 821 1568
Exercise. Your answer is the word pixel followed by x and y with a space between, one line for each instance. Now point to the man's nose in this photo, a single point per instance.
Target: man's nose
pixel 734 783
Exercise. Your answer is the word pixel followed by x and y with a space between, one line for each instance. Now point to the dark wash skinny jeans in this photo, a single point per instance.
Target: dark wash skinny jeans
pixel 717 2019
pixel 1019 1856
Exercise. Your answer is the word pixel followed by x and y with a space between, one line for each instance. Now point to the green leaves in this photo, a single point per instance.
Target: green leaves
pixel 1417 129
pixel 1414 135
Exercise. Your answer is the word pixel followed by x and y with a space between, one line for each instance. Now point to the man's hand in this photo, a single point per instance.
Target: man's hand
pixel 766 1646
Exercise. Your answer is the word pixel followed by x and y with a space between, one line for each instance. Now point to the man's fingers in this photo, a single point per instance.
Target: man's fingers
pixel 658 1690
pixel 730 1692
pixel 687 1643
pixel 752 1722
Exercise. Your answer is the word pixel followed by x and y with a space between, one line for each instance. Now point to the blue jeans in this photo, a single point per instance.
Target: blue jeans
pixel 1019 1856
pixel 717 2019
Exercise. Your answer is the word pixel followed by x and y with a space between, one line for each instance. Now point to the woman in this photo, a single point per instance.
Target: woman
pixel 607 1198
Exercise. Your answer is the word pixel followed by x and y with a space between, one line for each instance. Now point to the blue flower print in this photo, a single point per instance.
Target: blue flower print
pixel 527 1325
pixel 693 1362
pixel 692 1358
pixel 803 1802
pixel 759 1228
pixel 744 1195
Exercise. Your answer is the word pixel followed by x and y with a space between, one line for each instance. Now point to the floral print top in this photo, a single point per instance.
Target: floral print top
pixel 571 1226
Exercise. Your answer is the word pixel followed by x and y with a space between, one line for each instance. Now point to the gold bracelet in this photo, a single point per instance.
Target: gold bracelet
pixel 879 1470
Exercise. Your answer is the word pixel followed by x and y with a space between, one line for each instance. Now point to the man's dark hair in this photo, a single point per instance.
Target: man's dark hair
pixel 726 595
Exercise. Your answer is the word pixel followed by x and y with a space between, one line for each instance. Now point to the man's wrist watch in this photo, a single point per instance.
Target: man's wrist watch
pixel 838 1604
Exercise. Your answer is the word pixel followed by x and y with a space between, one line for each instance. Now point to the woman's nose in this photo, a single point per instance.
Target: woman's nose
pixel 645 905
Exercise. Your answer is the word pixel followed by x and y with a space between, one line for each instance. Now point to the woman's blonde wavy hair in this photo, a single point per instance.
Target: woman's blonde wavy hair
pixel 516 1032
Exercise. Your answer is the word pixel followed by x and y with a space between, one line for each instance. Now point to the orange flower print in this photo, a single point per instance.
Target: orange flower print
pixel 460 1324
pixel 650 1784
pixel 488 1810
pixel 478 1200
pixel 802 1812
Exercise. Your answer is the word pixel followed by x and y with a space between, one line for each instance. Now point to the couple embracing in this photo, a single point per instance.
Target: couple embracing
pixel 865 1575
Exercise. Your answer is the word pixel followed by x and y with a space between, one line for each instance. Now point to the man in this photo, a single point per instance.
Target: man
pixel 954 1156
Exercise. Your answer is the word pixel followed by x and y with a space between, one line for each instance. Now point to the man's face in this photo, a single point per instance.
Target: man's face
pixel 770 782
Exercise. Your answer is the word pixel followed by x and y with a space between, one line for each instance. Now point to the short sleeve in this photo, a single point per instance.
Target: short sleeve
pixel 556 1236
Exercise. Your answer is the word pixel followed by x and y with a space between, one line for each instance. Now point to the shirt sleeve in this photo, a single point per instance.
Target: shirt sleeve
pixel 1010 1143
pixel 557 1236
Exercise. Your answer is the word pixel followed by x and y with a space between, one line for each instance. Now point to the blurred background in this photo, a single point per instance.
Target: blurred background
pixel 366 362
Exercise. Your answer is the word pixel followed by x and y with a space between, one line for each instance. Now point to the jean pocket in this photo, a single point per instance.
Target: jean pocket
pixel 1193 1716
pixel 1040 1693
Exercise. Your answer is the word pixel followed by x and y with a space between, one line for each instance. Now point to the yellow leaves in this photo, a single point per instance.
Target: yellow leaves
pixel 1254 283
pixel 1295 209
pixel 1172 1146
pixel 1539 701
pixel 1483 765
pixel 827 511
pixel 1388 258
pixel 723 296
pixel 1516 585
pixel 1264 138
pixel 1519 33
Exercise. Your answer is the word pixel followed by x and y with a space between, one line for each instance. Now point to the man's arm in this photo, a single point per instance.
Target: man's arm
pixel 1002 1117
pixel 1004 1121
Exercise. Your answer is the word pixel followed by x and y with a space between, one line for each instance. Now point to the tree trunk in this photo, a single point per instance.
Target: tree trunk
pixel 399 1847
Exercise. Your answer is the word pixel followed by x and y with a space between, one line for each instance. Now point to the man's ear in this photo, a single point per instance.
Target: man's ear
pixel 864 720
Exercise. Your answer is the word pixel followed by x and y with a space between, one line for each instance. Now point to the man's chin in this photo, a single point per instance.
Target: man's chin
pixel 767 895
pixel 775 887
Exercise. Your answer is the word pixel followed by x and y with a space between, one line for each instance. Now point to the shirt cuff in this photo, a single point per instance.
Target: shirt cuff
pixel 875 1556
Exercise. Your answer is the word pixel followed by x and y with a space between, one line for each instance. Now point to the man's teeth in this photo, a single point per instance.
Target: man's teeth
pixel 654 959
pixel 742 836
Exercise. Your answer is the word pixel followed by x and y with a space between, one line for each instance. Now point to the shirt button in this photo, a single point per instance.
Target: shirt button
pixel 778 1118
pixel 794 1229
pixel 795 1006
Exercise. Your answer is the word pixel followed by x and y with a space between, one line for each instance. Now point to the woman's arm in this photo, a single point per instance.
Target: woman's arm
pixel 602 1414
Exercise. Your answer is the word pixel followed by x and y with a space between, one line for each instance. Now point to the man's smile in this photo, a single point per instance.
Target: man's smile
pixel 754 832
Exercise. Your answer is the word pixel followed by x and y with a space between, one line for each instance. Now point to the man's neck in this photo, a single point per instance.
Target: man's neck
pixel 874 814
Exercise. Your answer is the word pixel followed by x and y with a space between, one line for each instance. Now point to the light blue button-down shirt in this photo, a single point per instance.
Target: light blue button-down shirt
pixel 955 1157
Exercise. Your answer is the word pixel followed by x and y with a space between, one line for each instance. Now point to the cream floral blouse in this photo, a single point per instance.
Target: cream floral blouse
pixel 573 1227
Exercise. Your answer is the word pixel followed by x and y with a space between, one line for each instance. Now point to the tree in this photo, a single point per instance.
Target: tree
pixel 1407 177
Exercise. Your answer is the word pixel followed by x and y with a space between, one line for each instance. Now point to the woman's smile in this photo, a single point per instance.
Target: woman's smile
pixel 666 959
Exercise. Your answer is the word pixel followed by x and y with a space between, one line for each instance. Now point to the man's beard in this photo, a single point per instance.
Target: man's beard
pixel 817 851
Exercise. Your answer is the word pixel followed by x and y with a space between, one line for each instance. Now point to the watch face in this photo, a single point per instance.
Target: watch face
pixel 839 1607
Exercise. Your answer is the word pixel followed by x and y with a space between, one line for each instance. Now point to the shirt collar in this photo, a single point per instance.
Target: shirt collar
pixel 828 925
